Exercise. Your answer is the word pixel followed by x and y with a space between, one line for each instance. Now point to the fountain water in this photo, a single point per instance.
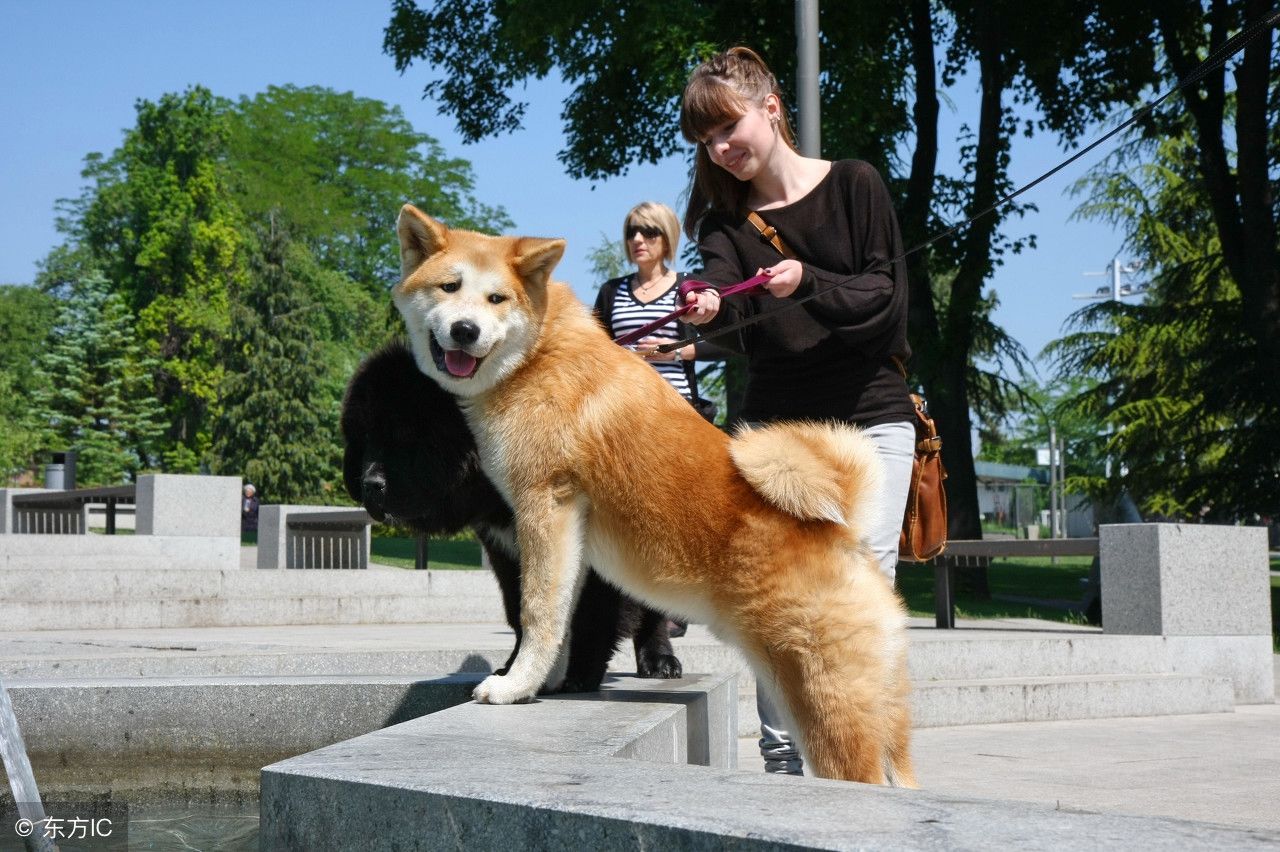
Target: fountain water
pixel 21 780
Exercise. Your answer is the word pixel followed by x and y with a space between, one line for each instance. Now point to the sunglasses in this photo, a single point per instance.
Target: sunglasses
pixel 646 231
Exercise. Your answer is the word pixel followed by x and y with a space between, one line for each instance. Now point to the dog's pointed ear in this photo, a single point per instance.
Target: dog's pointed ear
pixel 420 237
pixel 536 257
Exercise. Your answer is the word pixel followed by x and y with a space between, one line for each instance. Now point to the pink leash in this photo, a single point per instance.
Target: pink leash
pixel 686 287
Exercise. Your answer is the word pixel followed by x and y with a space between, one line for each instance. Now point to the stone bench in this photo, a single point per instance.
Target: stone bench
pixel 980 552
pixel 44 512
pixel 313 537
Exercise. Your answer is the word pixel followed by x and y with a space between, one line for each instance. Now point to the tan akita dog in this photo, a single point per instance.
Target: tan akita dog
pixel 759 537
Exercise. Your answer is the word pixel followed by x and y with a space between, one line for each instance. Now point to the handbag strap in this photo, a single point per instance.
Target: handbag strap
pixel 927 440
pixel 770 234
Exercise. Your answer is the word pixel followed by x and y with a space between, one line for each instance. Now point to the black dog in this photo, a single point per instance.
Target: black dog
pixel 410 457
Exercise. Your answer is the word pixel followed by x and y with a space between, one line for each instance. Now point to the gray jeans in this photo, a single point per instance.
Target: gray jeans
pixel 896 446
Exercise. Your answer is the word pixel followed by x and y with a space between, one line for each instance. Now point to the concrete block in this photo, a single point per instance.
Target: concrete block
pixel 1185 580
pixel 173 504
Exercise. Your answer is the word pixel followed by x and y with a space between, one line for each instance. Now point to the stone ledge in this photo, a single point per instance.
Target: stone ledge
pixel 478 777
pixel 180 739
pixel 71 555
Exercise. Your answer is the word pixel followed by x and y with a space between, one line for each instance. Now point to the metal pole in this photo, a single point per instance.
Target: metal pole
pixel 1053 482
pixel 807 102
pixel 1062 488
pixel 420 553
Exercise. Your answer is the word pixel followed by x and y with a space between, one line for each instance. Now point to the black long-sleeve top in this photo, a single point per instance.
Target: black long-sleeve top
pixel 830 357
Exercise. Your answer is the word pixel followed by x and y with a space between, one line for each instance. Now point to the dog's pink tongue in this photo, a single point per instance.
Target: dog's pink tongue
pixel 459 363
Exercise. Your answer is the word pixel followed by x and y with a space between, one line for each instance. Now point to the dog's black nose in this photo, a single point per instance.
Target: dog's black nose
pixel 374 488
pixel 464 332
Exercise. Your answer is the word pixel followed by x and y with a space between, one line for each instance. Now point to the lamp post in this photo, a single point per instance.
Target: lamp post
pixel 807 101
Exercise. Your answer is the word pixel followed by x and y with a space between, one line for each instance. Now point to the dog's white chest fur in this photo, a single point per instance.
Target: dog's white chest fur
pixel 490 448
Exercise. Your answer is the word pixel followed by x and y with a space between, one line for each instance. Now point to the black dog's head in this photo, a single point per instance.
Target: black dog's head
pixel 409 455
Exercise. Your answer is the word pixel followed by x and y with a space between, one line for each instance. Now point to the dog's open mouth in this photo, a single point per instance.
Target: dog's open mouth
pixel 455 362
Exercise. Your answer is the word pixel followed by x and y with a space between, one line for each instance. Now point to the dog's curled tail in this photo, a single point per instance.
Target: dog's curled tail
pixel 814 471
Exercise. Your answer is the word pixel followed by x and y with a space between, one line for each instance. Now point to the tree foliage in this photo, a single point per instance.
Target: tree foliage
pixel 93 391
pixel 277 426
pixel 252 243
pixel 26 317
pixel 157 220
pixel 1185 405
pixel 337 168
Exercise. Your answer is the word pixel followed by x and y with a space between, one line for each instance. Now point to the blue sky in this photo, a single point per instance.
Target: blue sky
pixel 73 69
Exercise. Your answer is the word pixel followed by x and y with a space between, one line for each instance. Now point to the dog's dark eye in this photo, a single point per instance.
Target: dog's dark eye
pixel 496 298
pixel 451 286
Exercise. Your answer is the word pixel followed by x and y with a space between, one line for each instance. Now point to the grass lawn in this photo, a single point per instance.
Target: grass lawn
pixel 442 554
pixel 1032 577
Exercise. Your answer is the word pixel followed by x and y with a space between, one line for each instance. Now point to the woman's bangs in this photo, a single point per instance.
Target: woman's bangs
pixel 642 219
pixel 709 103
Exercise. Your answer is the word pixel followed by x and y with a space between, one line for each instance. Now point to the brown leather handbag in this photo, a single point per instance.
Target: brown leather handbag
pixel 924 524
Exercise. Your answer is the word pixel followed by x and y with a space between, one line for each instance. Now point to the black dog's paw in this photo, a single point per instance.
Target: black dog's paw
pixel 575 685
pixel 665 666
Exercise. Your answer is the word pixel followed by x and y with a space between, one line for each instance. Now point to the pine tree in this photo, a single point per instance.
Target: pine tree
pixel 94 392
pixel 279 408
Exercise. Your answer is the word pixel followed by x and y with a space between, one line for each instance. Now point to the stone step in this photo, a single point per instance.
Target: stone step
pixel 454 644
pixel 72 555
pixel 968 655
pixel 936 704
pixel 152 598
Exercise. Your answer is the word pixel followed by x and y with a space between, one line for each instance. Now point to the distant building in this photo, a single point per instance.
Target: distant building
pixel 1010 495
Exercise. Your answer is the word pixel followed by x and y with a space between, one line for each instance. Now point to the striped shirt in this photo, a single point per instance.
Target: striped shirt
pixel 629 313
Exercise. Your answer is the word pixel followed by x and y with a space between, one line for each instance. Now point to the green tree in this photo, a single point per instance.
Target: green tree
pixel 170 218
pixel 19 430
pixel 93 392
pixel 1186 403
pixel 1240 186
pixel 27 314
pixel 337 168
pixel 280 403
pixel 159 221
pixel 608 259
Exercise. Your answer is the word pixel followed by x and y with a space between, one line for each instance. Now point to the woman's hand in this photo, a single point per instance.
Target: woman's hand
pixel 648 349
pixel 787 275
pixel 708 305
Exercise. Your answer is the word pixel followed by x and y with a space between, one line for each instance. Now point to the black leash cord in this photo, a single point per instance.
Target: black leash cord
pixel 1218 58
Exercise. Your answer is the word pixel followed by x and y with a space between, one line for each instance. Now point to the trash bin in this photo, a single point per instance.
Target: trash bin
pixel 60 472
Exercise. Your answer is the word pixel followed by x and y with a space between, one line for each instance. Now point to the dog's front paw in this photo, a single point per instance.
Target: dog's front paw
pixel 500 689
pixel 666 666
